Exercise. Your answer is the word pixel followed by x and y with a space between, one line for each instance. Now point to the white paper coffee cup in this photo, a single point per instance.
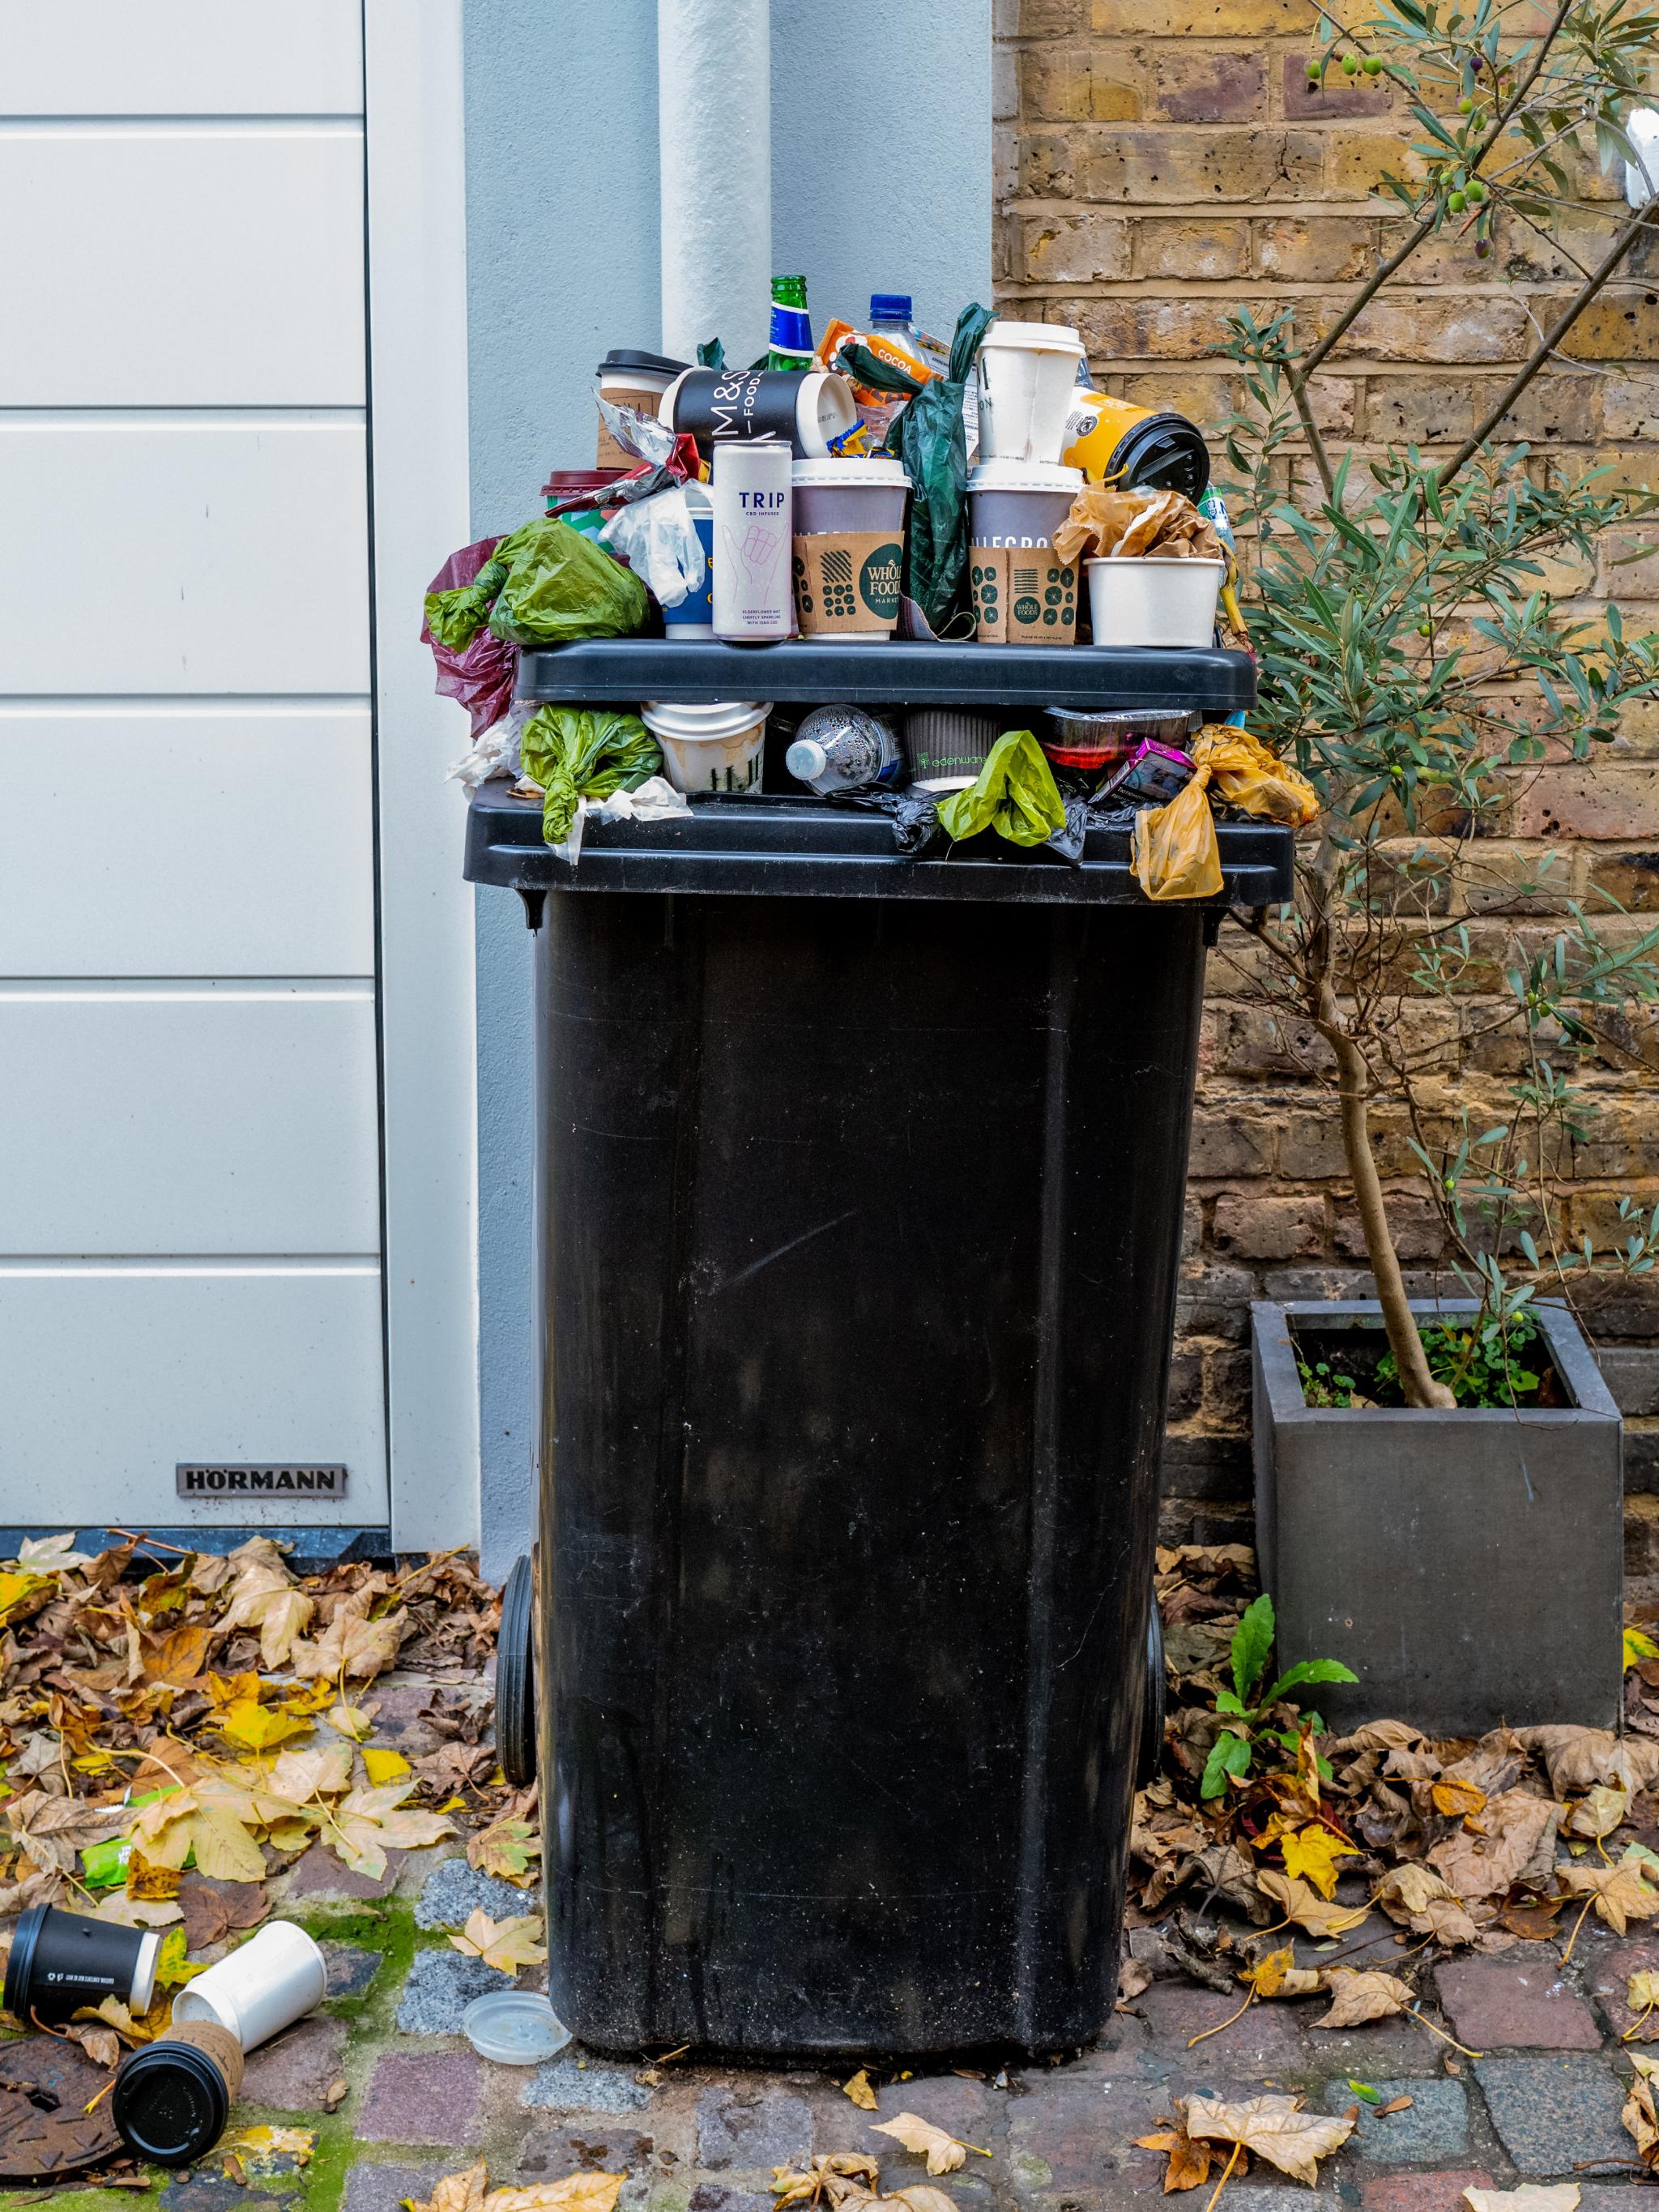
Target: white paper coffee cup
pixel 277 1978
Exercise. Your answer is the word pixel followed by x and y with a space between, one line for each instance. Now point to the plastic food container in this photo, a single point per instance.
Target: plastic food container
pixel 1146 600
pixel 1092 743
pixel 1027 378
pixel 712 748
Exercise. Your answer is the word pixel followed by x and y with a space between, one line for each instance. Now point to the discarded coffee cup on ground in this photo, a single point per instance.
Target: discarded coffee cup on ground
pixel 1024 593
pixel 514 2027
pixel 60 1961
pixel 173 2098
pixel 947 746
pixel 274 1979
pixel 752 529
pixel 717 747
pixel 844 749
pixel 1093 744
pixel 849 548
pixel 639 381
pixel 1147 598
pixel 694 615
pixel 1027 381
pixel 1136 448
pixel 807 415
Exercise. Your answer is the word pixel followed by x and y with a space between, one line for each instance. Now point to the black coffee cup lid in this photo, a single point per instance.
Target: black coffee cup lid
pixel 170 2103
pixel 654 364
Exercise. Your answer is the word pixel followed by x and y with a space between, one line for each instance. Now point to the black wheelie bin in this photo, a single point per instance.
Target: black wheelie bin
pixel 859 1192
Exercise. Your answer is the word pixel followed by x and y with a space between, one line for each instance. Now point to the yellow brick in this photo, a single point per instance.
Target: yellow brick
pixel 1360 163
pixel 1617 326
pixel 1329 250
pixel 1175 165
pixel 1197 248
pixel 1084 246
pixel 1204 399
pixel 1203 19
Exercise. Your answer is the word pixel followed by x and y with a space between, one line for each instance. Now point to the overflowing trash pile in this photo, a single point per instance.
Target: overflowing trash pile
pixel 877 484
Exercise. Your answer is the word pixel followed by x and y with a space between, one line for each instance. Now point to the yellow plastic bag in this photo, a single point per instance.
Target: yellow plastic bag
pixel 1175 854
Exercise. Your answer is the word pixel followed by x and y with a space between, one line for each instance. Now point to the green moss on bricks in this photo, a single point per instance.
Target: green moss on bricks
pixel 323 2178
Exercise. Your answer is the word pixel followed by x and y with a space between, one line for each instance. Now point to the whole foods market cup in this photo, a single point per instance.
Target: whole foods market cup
pixel 1023 593
pixel 947 746
pixel 712 748
pixel 849 548
pixel 59 1962
pixel 632 380
pixel 1152 601
pixel 694 615
pixel 277 1978
pixel 751 527
pixel 806 413
pixel 1113 442
pixel 1027 378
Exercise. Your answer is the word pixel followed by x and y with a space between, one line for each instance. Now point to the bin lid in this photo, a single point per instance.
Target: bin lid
pixel 1016 679
pixel 762 847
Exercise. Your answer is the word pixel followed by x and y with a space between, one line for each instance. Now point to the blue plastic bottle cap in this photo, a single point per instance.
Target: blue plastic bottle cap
pixel 514 2027
pixel 890 306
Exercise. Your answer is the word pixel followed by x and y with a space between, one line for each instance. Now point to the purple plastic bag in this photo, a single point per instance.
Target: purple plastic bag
pixel 482 676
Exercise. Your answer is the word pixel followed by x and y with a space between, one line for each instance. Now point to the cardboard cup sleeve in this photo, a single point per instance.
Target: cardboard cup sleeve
pixel 1022 595
pixel 848 581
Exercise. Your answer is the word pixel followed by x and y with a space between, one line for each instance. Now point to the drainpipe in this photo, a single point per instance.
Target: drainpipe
pixel 715 139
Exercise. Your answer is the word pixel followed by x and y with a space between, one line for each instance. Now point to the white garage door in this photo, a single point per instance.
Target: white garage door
pixel 190 1217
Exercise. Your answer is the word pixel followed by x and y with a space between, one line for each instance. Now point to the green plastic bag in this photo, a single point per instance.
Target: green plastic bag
pixel 455 617
pixel 584 752
pixel 560 586
pixel 1016 795
pixel 929 438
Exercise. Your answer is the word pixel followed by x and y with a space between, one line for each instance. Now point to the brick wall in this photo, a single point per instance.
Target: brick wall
pixel 1158 163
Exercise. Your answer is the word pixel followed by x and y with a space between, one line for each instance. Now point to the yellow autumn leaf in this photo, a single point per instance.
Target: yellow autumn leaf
pixel 257 1726
pixel 350 1720
pixel 1357 1997
pixel 23 1593
pixel 1456 1800
pixel 1275 2128
pixel 1620 1893
pixel 360 1827
pixel 574 2192
pixel 1530 2196
pixel 506 1945
pixel 1189 2161
pixel 1637 1647
pixel 1298 1902
pixel 1278 1975
pixel 862 2093
pixel 383 1765
pixel 1601 1811
pixel 265 2150
pixel 1642 1991
pixel 209 1820
pixel 1311 1853
pixel 943 2152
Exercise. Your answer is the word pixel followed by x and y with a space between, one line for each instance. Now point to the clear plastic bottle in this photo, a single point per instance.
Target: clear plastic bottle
pixel 843 749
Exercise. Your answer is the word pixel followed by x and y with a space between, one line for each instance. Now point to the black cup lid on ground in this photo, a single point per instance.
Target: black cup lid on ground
pixel 170 2103
pixel 620 359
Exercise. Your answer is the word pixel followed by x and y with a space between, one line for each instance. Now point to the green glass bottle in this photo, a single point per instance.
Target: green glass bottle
pixel 792 326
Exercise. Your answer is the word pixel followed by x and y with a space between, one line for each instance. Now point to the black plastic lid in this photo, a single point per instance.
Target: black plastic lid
pixel 170 2103
pixel 1166 452
pixel 20 1962
pixel 656 364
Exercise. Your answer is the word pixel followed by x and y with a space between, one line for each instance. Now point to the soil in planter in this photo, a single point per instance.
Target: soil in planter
pixel 1338 1365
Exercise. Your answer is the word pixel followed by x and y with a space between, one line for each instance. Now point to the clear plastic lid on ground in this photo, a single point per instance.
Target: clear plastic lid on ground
pixel 514 2027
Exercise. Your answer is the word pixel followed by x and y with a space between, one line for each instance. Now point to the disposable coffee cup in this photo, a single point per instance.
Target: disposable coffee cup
pixel 1027 372
pixel 277 1978
pixel 694 615
pixel 1023 593
pixel 716 748
pixel 636 381
pixel 807 412
pixel 60 1961
pixel 947 746
pixel 172 2099
pixel 1147 599
pixel 849 548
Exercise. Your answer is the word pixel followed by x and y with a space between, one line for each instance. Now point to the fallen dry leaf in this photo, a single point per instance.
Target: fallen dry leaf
pixel 1357 1996
pixel 1601 1813
pixel 574 2192
pixel 943 2152
pixel 1275 2128
pixel 363 1823
pixel 1638 2117
pixel 1306 1907
pixel 1519 1840
pixel 212 1910
pixel 1578 1757
pixel 1530 2196
pixel 1620 1892
pixel 862 2093
pixel 1456 1800
pixel 1395 2105
pixel 1310 1855
pixel 1642 1991
pixel 266 2150
pixel 1278 1975
pixel 1189 2161
pixel 833 2178
pixel 1134 1977
pixel 506 1945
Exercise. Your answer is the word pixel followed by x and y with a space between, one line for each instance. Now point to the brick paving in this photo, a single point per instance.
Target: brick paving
pixel 1540 2103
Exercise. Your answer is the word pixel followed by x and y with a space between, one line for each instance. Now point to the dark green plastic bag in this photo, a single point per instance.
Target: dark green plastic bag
pixel 1016 795
pixel 928 437
pixel 584 752
pixel 560 586
pixel 455 617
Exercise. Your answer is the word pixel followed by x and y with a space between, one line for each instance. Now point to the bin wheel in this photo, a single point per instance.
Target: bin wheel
pixel 515 1677
pixel 1152 1702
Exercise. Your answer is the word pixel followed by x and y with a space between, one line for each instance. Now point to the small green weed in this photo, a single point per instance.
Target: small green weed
pixel 1246 1734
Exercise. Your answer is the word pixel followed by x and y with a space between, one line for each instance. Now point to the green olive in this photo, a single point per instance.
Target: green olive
pixel 1425 629
pixel 1372 65
pixel 1350 64
pixel 1456 202
pixel 1465 106
pixel 1475 193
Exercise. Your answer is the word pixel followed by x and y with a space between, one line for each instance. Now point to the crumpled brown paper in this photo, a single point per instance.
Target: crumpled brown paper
pixel 1128 523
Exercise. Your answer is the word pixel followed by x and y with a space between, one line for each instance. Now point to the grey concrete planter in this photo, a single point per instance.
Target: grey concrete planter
pixel 1468 1566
